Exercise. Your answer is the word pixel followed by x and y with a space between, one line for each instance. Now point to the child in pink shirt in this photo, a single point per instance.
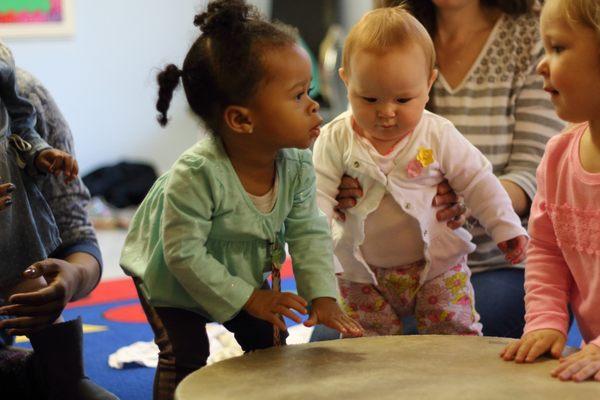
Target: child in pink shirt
pixel 563 260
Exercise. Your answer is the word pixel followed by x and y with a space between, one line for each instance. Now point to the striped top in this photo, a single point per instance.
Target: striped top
pixel 502 109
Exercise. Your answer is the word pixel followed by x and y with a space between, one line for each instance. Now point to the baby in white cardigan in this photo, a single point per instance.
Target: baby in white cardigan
pixel 393 257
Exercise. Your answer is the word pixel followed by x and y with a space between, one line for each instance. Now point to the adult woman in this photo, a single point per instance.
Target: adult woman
pixel 487 52
pixel 73 272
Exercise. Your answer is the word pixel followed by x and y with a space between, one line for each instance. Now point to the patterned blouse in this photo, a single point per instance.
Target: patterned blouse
pixel 502 109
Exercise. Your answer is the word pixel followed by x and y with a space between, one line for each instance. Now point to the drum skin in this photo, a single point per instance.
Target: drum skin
pixel 384 367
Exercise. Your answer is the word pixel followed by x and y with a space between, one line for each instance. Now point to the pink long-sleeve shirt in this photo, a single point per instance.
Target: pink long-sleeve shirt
pixel 563 260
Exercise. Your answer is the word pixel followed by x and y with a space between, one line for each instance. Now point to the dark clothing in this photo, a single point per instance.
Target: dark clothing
pixel 183 343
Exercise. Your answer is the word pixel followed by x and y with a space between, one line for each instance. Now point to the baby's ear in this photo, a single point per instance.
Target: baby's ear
pixel 238 119
pixel 432 77
pixel 343 75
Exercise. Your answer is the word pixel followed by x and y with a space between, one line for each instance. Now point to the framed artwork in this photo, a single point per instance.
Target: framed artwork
pixel 36 18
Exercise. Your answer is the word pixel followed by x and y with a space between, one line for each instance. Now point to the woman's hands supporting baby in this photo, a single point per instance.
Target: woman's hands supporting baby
pixel 454 213
pixel 269 305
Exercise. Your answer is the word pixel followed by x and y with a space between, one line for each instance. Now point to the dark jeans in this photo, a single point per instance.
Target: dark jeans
pixel 183 343
pixel 499 300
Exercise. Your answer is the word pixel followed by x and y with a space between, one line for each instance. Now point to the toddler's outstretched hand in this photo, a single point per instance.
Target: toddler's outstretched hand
pixel 584 364
pixel 267 304
pixel 55 161
pixel 325 310
pixel 514 249
pixel 533 344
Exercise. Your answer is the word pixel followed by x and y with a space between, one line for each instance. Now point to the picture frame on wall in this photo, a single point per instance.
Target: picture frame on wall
pixel 36 18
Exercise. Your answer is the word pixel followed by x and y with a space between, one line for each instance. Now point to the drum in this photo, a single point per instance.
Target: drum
pixel 385 367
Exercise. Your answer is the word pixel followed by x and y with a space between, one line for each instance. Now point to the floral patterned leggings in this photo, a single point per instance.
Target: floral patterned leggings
pixel 442 305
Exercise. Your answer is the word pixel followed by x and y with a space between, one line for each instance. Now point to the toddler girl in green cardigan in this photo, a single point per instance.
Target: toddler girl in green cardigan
pixel 213 227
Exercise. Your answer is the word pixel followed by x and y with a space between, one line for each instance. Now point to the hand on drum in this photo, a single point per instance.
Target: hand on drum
pixel 268 305
pixel 454 210
pixel 326 311
pixel 584 364
pixel 533 344
pixel 514 249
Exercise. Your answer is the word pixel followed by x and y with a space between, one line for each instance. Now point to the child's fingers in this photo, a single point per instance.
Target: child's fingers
pixel 352 326
pixel 288 313
pixel 508 354
pixel 337 325
pixel 580 371
pixel 538 348
pixel 276 321
pixel 524 349
pixel 56 166
pixel 290 300
pixel 311 321
pixel 557 347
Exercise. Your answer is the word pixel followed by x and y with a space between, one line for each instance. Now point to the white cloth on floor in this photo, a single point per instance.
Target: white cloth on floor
pixel 222 346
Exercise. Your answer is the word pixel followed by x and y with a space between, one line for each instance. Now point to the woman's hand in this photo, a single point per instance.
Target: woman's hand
pixel 455 211
pixel 348 193
pixel 584 364
pixel 36 310
pixel 5 198
pixel 326 311
pixel 533 344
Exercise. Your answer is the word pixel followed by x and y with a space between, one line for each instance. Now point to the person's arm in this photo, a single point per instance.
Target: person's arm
pixel 329 169
pixel 535 123
pixel 470 173
pixel 68 202
pixel 547 285
pixel 310 246
pixel 21 113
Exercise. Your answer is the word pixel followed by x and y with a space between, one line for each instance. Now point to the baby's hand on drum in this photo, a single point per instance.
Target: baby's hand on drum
pixel 268 305
pixel 533 344
pixel 55 161
pixel 514 249
pixel 5 198
pixel 584 364
pixel 326 311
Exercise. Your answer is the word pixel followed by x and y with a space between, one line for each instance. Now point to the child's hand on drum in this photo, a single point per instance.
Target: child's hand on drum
pixel 584 364
pixel 514 249
pixel 5 198
pixel 533 344
pixel 326 311
pixel 268 305
pixel 55 161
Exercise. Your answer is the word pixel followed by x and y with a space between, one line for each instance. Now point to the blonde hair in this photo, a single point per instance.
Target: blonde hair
pixel 584 12
pixel 385 28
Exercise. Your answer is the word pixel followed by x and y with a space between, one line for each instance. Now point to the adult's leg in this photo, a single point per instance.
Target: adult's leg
pixel 182 342
pixel 499 299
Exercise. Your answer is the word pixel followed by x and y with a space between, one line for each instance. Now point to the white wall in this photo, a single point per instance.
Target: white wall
pixel 103 78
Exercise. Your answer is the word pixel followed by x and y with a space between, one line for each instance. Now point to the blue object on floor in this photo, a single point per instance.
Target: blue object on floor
pixel 574 339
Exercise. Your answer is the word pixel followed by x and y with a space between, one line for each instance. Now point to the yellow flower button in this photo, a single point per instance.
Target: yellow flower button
pixel 425 156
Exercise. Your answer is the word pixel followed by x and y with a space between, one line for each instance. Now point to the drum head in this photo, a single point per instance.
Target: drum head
pixel 386 367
